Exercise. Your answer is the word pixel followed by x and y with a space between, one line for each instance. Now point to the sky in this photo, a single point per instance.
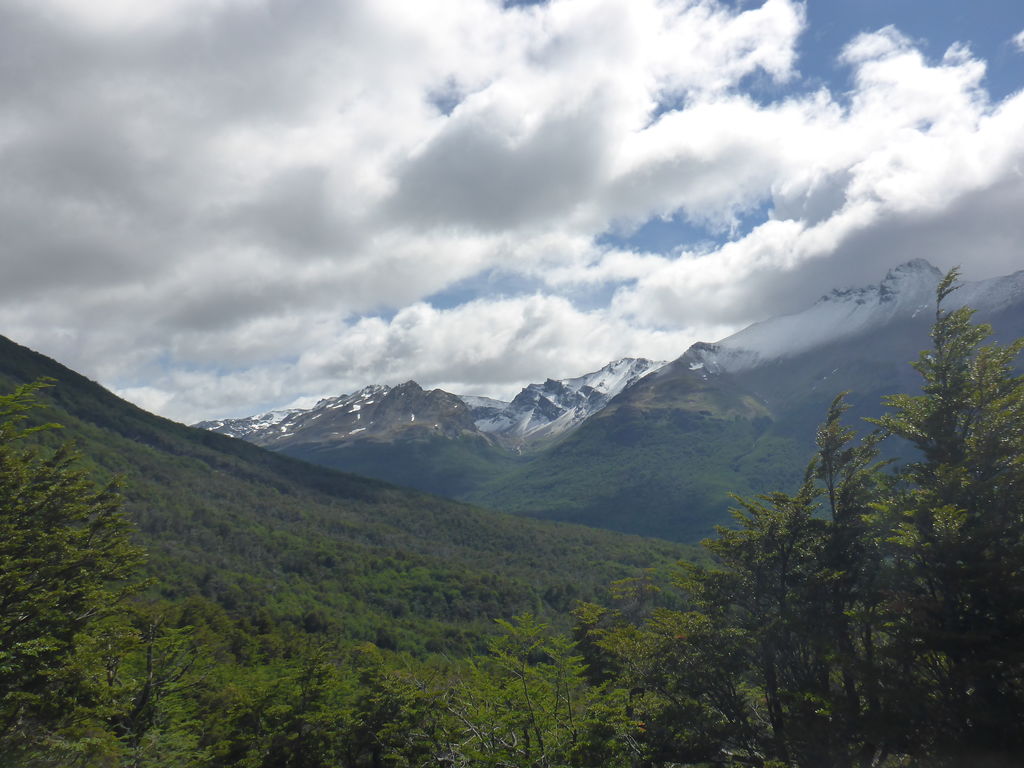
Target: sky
pixel 217 207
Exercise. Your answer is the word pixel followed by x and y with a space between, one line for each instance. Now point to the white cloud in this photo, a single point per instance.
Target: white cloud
pixel 911 154
pixel 1018 40
pixel 127 17
pixel 471 343
pixel 465 349
pixel 208 204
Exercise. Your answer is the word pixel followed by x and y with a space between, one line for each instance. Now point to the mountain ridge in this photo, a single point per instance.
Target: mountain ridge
pixel 906 291
pixel 539 412
pixel 543 411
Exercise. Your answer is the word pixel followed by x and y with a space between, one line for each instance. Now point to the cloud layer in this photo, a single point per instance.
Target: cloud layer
pixel 220 205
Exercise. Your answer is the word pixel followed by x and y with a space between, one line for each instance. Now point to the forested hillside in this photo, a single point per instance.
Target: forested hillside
pixel 260 533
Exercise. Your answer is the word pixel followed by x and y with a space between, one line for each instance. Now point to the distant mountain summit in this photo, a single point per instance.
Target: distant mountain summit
pixel 907 292
pixel 375 412
pixel 859 340
pixel 249 425
pixel 550 409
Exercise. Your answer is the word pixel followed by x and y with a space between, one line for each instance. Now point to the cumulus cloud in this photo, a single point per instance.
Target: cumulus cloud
pixel 221 206
pixel 470 344
pixel 465 349
pixel 854 189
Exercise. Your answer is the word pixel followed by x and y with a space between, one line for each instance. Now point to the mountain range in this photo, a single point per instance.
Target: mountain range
pixel 641 446
pixel 537 414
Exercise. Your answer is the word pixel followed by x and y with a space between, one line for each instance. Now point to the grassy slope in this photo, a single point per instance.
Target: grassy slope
pixel 258 531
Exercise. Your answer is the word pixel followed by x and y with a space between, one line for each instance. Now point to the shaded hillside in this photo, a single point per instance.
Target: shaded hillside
pixel 452 467
pixel 255 530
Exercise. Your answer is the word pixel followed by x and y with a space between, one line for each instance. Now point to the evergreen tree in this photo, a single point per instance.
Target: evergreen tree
pixel 66 563
pixel 528 704
pixel 957 544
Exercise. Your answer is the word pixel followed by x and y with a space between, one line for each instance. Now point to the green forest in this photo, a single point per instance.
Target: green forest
pixel 873 616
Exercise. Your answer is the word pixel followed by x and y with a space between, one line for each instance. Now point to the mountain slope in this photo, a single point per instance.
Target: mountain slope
pixel 658 460
pixel 255 530
pixel 740 415
pixel 860 340
pixel 906 292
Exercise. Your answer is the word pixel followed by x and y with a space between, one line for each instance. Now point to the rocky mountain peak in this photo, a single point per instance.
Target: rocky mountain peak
pixel 917 277
pixel 551 408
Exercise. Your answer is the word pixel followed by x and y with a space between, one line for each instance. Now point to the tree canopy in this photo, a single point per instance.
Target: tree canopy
pixel 66 565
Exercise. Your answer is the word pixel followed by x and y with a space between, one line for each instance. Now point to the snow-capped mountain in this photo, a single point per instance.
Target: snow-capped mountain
pixel 376 411
pixel 645 447
pixel 382 412
pixel 549 409
pixel 557 406
pixel 856 340
pixel 906 292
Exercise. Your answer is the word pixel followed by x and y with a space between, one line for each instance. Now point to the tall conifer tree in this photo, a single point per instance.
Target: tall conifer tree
pixel 66 562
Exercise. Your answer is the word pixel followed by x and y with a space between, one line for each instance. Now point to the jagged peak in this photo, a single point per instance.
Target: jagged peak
pixel 913 267
pixel 915 275
pixel 703 346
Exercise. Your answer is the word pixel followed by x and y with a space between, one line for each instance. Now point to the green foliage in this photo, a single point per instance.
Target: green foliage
pixel 528 703
pixel 682 669
pixel 66 564
pixel 957 539
pixel 261 560
pixel 451 467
